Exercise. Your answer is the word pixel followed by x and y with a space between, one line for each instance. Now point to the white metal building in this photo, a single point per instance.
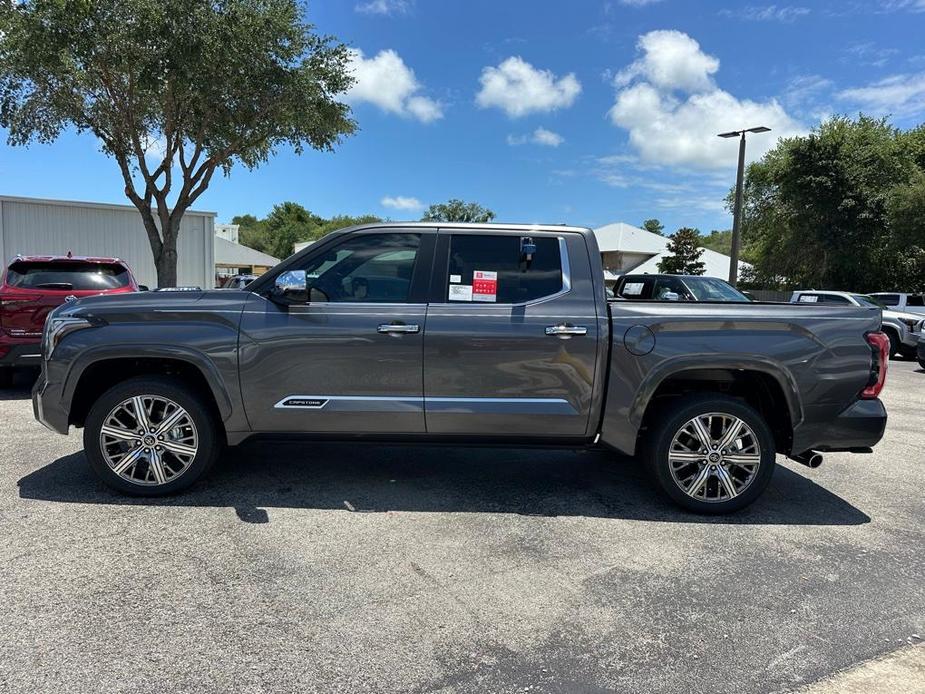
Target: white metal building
pixel 32 226
pixel 625 248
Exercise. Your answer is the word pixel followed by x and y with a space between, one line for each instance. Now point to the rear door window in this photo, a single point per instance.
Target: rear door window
pixel 67 276
pixel 492 269
pixel 915 300
pixel 666 286
pixel 887 299
pixel 631 287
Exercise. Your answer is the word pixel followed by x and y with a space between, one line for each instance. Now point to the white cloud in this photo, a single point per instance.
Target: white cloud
pixel 383 7
pixel 900 95
pixel 672 109
pixel 518 88
pixel 638 3
pixel 399 202
pixel 671 60
pixel 897 5
pixel 767 13
pixel 387 82
pixel 540 136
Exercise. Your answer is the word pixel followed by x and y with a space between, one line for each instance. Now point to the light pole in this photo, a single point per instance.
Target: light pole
pixel 737 212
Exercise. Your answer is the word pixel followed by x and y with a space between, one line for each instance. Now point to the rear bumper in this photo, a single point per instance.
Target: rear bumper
pixel 20 352
pixel 860 426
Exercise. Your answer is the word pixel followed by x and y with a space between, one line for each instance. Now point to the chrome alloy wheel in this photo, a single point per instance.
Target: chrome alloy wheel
pixel 714 457
pixel 148 440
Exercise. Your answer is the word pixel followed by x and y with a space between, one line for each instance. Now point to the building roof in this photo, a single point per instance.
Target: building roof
pixel 93 205
pixel 626 238
pixel 629 239
pixel 231 253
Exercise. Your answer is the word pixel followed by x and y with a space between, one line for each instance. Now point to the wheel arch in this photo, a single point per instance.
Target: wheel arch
pixel 98 371
pixel 764 384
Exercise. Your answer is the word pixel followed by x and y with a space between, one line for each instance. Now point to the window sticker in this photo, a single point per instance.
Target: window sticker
pixel 633 288
pixel 460 292
pixel 455 279
pixel 484 286
pixel 807 299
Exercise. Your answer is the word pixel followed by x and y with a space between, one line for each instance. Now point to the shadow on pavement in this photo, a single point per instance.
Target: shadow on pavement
pixel 374 479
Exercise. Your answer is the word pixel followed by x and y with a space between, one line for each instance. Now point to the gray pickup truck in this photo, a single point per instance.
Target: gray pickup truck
pixel 461 334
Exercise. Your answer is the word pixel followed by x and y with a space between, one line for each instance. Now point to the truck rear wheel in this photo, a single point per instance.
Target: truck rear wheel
pixel 711 454
pixel 150 436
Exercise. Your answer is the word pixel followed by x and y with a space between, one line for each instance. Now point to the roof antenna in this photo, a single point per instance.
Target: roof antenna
pixel 70 254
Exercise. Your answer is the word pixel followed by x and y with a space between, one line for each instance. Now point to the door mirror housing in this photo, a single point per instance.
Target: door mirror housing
pixel 291 287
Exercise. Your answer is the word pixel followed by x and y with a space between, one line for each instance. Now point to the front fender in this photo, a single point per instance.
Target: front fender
pixel 94 355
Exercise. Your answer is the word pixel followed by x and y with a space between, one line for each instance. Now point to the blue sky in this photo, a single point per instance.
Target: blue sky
pixel 584 112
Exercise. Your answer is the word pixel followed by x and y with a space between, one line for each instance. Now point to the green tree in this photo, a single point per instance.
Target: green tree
pixel 654 226
pixel 719 241
pixel 840 208
pixel 289 223
pixel 458 211
pixel 252 232
pixel 174 90
pixel 683 254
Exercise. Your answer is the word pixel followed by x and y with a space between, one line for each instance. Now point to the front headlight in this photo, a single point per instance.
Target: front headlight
pixel 57 328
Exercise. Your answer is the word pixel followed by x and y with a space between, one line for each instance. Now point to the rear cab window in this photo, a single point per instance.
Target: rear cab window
pixel 492 268
pixel 67 275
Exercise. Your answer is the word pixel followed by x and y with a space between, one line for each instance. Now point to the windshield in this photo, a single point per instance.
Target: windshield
pixel 67 276
pixel 712 289
pixel 865 300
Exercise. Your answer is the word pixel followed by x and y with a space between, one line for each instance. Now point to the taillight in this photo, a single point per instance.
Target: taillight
pixel 880 346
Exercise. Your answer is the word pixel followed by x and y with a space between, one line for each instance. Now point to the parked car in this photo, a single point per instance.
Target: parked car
pixel 31 286
pixel 676 288
pixel 902 328
pixel 500 334
pixel 900 301
pixel 238 281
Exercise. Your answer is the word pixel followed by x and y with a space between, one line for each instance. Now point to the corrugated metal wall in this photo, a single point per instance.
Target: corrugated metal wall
pixel 54 227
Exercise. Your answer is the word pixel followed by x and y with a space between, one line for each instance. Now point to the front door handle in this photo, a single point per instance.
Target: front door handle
pixel 398 328
pixel 566 330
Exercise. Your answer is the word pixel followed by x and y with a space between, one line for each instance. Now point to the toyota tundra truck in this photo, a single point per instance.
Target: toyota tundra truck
pixel 462 334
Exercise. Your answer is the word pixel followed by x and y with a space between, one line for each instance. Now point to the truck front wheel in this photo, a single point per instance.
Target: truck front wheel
pixel 711 453
pixel 150 436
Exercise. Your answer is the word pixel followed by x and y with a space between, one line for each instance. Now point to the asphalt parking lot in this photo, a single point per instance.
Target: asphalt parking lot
pixel 368 569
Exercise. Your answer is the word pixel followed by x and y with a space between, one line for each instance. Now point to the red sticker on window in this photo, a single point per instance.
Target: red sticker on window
pixel 484 286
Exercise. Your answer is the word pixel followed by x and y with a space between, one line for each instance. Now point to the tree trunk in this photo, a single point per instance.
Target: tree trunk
pixel 166 265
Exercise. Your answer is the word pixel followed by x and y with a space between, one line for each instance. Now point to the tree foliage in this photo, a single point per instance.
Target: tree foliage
pixel 289 223
pixel 458 211
pixel 654 226
pixel 841 208
pixel 683 254
pixel 174 90
pixel 719 241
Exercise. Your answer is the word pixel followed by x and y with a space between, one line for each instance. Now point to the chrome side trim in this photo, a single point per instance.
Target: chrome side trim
pixel 387 403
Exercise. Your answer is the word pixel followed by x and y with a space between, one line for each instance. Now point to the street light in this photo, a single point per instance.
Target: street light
pixel 737 213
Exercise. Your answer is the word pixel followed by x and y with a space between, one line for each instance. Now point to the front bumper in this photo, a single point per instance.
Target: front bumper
pixel 858 427
pixel 47 404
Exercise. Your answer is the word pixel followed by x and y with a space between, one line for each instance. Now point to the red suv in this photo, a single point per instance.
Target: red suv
pixel 33 285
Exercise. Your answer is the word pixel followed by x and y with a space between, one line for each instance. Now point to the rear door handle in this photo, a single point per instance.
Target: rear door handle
pixel 566 330
pixel 398 328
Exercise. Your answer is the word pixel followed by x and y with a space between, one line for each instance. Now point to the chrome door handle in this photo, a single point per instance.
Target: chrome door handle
pixel 398 328
pixel 566 330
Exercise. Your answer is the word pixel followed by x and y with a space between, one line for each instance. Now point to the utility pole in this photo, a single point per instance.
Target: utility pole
pixel 737 211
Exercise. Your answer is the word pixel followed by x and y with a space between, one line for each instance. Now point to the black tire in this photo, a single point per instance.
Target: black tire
pixel 6 377
pixel 922 363
pixel 672 418
pixel 210 440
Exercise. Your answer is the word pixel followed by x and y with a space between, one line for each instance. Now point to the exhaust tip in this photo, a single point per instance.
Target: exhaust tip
pixel 810 459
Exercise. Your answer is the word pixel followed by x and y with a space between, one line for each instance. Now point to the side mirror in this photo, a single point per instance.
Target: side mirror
pixel 291 287
pixel 671 296
pixel 143 288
